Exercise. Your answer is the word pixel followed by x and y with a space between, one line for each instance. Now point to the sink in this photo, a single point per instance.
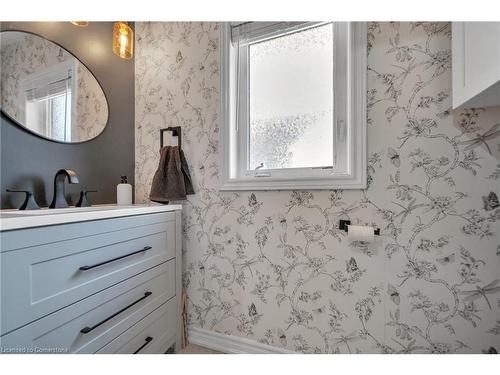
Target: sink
pixel 57 211
pixel 17 219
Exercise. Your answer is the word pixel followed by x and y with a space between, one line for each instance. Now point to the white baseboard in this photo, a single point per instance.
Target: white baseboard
pixel 230 344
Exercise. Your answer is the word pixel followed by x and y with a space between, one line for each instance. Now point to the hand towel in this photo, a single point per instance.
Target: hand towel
pixel 172 180
pixel 187 177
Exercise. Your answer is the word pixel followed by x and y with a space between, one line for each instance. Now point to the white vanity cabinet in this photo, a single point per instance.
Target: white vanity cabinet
pixel 476 64
pixel 107 285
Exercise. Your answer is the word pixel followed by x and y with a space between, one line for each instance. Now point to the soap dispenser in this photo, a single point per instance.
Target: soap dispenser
pixel 124 192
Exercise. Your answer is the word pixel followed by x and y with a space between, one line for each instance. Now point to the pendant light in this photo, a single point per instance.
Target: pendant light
pixel 123 40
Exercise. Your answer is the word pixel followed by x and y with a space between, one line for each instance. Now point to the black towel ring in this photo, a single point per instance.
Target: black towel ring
pixel 176 132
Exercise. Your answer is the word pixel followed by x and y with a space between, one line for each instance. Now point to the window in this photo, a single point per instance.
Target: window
pixel 293 105
pixel 51 115
pixel 48 100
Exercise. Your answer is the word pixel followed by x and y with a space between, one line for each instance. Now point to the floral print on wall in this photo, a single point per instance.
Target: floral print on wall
pixel 31 54
pixel 274 267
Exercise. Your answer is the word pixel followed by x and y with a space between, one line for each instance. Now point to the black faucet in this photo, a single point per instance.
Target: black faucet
pixel 59 200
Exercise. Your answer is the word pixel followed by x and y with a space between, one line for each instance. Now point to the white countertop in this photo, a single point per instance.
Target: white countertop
pixel 15 219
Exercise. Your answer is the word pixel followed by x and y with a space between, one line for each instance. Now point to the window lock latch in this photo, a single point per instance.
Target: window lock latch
pixel 260 174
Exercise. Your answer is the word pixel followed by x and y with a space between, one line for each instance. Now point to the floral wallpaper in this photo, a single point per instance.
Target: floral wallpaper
pixel 274 267
pixel 31 54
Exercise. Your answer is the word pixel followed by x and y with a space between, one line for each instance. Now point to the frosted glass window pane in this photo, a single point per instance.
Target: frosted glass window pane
pixel 291 100
pixel 61 117
pixel 58 117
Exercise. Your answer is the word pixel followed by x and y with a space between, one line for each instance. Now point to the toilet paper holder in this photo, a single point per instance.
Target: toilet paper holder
pixel 344 225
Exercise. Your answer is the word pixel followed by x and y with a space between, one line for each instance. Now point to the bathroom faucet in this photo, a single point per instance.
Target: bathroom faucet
pixel 59 200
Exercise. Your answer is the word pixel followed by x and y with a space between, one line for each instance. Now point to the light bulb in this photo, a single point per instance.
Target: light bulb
pixel 123 40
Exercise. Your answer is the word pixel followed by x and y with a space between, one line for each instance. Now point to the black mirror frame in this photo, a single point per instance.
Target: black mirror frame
pixel 24 128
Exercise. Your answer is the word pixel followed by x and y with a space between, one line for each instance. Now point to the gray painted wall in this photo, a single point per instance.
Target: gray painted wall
pixel 28 161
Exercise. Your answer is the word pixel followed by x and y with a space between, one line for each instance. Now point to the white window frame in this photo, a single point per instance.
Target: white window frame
pixel 349 116
pixel 64 70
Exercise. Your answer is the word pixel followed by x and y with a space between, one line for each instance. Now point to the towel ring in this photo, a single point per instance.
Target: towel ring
pixel 176 132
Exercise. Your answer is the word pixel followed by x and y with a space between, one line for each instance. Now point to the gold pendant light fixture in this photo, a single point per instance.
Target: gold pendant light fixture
pixel 123 40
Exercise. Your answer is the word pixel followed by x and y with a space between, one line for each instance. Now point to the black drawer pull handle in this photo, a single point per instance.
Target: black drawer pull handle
pixel 89 329
pixel 148 340
pixel 86 268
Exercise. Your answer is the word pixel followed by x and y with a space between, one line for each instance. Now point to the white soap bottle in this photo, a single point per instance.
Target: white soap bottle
pixel 124 192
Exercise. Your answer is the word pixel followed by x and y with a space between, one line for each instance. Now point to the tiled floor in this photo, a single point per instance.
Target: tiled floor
pixel 195 349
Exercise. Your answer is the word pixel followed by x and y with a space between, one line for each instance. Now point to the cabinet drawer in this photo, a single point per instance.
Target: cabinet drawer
pixel 38 280
pixel 104 315
pixel 152 335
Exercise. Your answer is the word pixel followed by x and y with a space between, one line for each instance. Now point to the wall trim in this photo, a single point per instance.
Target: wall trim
pixel 231 344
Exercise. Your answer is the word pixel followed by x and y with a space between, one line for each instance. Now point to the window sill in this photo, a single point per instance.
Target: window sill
pixel 337 182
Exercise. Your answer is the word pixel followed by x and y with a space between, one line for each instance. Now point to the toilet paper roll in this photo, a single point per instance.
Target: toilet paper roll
pixel 360 233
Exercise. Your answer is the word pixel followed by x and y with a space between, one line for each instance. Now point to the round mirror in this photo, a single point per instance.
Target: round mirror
pixel 48 91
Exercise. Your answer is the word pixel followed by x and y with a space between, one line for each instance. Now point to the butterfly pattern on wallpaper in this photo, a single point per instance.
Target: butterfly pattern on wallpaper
pixel 252 200
pixel 252 310
pixel 393 294
pixel 491 202
pixel 394 157
pixel 282 337
pixel 351 265
pixel 490 350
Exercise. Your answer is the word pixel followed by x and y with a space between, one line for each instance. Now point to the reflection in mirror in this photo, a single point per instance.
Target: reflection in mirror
pixel 48 91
